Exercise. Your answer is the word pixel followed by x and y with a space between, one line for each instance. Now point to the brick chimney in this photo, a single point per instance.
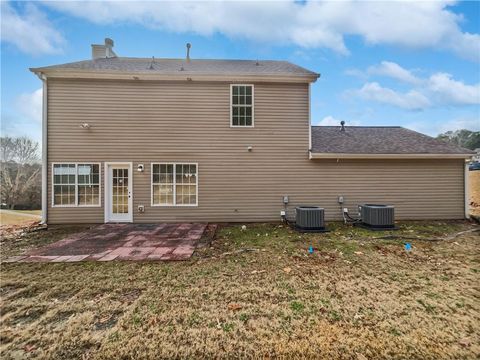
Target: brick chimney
pixel 103 51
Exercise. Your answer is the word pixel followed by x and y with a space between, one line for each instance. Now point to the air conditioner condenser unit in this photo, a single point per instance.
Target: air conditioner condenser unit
pixel 310 218
pixel 376 216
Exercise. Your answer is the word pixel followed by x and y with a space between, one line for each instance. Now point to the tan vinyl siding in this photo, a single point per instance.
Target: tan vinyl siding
pixel 148 121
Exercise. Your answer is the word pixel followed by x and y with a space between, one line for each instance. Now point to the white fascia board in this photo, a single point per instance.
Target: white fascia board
pixel 388 156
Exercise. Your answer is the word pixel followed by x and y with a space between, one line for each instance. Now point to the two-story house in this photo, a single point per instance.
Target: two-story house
pixel 158 140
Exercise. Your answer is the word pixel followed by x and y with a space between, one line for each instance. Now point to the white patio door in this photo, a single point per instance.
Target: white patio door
pixel 118 197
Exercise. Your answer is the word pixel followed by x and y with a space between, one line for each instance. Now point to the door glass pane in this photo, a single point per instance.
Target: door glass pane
pixel 120 191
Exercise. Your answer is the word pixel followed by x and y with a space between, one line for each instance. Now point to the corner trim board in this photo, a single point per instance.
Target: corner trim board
pixel 466 190
pixel 44 148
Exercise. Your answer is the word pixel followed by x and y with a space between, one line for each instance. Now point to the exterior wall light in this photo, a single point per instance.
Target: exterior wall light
pixel 140 168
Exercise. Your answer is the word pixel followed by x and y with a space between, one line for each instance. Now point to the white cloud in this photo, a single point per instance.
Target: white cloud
pixel 24 117
pixel 311 25
pixel 451 91
pixel 459 123
pixel 440 89
pixel 356 73
pixel 12 125
pixel 412 100
pixel 441 126
pixel 30 105
pixel 331 121
pixel 31 31
pixel 393 70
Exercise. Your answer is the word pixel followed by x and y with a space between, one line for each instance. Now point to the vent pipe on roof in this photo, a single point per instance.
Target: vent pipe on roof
pixel 151 64
pixel 188 51
pixel 342 124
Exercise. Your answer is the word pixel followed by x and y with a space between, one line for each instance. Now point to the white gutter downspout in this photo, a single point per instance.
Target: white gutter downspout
pixel 44 148
pixel 309 121
pixel 466 191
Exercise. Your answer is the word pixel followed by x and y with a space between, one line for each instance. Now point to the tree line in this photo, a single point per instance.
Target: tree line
pixel 464 138
pixel 20 173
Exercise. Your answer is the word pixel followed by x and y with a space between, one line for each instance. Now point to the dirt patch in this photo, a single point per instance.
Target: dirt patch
pixel 7 289
pixel 26 317
pixel 107 321
pixel 130 296
pixel 60 317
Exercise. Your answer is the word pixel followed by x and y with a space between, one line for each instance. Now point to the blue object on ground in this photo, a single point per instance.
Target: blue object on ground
pixel 408 246
pixel 310 250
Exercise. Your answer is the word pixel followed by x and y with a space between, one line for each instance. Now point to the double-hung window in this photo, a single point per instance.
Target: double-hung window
pixel 76 184
pixel 241 105
pixel 174 184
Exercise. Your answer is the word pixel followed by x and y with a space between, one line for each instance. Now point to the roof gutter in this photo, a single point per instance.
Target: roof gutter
pixel 181 76
pixel 314 155
pixel 43 77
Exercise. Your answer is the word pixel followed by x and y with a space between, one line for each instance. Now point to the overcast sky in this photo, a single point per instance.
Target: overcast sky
pixel 414 64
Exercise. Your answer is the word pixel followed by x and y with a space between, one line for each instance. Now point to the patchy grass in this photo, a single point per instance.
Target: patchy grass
pixel 255 293
pixel 17 245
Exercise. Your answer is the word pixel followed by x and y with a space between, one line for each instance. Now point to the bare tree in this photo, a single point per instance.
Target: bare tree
pixel 20 150
pixel 19 172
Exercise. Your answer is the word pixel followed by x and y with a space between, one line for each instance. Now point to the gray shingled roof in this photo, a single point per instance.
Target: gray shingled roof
pixel 378 140
pixel 181 66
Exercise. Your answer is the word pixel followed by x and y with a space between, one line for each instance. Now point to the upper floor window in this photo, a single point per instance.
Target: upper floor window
pixel 242 105
pixel 76 184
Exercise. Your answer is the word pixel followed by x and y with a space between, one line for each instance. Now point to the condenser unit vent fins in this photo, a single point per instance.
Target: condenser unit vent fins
pixel 378 216
pixel 310 218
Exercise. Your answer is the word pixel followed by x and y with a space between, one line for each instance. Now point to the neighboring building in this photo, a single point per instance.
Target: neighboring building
pixel 155 140
pixel 476 156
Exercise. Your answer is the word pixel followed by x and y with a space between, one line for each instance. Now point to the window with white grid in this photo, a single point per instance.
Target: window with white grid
pixel 241 105
pixel 76 184
pixel 174 184
pixel 64 184
pixel 88 184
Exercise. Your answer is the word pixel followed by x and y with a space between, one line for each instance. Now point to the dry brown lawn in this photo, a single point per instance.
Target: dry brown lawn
pixel 474 182
pixel 256 293
pixel 13 217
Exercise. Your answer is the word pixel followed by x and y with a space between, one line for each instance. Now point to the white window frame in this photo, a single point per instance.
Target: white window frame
pixel 174 184
pixel 231 106
pixel 76 183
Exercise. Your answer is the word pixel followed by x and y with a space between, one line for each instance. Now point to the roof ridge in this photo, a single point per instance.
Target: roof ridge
pixel 133 58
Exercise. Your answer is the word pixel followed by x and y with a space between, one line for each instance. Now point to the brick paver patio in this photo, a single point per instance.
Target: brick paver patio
pixel 109 242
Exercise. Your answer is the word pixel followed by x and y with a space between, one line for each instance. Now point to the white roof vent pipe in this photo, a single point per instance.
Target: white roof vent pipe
pixel 103 51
